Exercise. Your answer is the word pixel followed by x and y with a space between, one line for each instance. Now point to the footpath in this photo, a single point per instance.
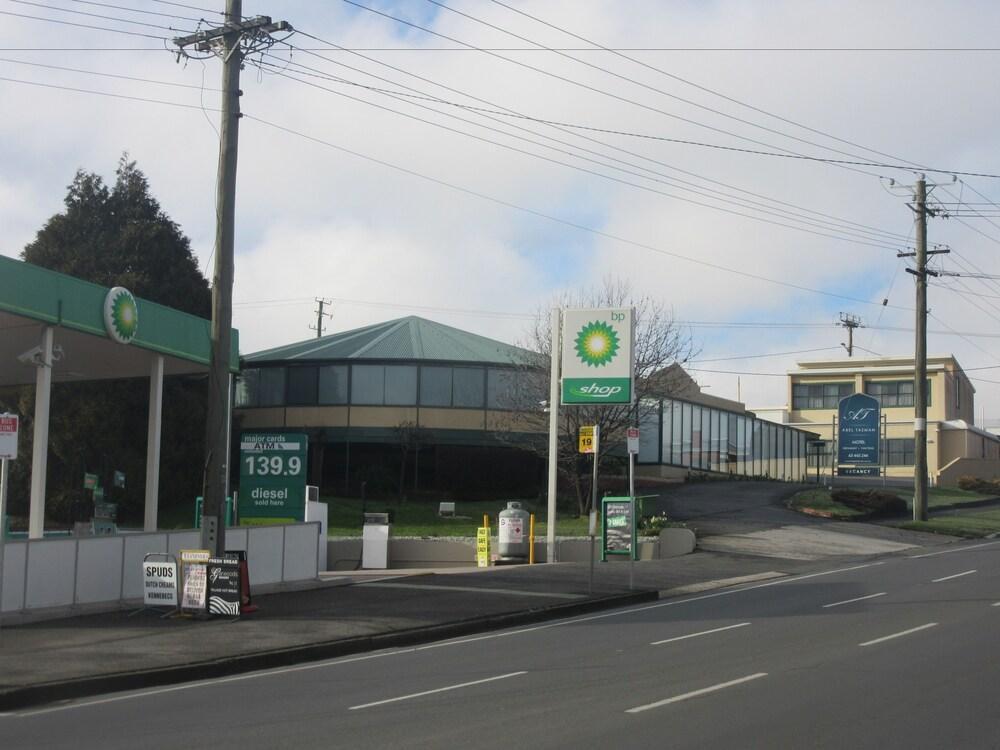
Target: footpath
pixel 77 654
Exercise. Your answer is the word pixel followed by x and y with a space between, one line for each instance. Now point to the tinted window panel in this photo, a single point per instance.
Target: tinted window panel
pixel 367 384
pixel 435 386
pixel 333 384
pixel 468 389
pixel 401 385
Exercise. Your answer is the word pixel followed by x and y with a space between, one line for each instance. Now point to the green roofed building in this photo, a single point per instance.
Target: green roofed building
pixel 403 406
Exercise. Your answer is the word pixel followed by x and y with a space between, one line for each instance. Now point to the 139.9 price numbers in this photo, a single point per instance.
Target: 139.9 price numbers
pixel 273 466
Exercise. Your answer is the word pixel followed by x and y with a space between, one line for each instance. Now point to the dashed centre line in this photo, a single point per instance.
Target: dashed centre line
pixel 957 575
pixel 851 601
pixel 436 690
pixel 695 635
pixel 696 693
pixel 899 635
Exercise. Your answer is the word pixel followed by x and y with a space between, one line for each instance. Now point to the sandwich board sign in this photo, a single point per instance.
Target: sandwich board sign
pixel 195 579
pixel 159 583
pixel 597 363
pixel 224 594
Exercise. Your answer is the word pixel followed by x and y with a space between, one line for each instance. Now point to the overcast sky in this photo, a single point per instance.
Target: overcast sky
pixel 395 201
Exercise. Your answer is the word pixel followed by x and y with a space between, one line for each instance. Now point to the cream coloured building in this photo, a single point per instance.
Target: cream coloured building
pixel 955 446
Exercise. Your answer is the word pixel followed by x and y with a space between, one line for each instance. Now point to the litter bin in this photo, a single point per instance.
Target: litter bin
pixel 513 546
pixel 375 541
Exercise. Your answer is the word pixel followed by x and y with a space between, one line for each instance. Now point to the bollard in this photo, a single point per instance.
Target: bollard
pixel 531 540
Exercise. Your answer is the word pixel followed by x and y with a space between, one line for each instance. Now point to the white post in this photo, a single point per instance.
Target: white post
pixel 4 478
pixel 153 444
pixel 556 331
pixel 40 444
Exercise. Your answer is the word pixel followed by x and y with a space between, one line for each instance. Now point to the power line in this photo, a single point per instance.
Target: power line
pixel 92 15
pixel 109 75
pixel 136 10
pixel 845 234
pixel 508 113
pixel 564 222
pixel 81 25
pixel 579 84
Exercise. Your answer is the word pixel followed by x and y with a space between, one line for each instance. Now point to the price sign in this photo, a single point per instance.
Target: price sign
pixel 272 476
pixel 587 439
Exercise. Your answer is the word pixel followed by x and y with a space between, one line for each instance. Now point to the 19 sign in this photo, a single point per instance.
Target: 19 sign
pixel 274 466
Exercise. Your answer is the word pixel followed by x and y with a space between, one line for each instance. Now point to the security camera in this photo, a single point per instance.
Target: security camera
pixel 31 357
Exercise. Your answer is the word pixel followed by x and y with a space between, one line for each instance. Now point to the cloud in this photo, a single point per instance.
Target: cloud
pixel 317 221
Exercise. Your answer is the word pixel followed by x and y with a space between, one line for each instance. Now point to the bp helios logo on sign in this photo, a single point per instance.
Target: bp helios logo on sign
pixel 597 357
pixel 121 315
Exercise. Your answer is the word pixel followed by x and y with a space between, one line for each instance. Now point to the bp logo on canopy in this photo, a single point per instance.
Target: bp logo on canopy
pixel 596 357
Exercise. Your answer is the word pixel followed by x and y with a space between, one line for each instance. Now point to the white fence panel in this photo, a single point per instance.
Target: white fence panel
pixel 178 540
pixel 264 554
pixel 51 564
pixel 99 569
pixel 236 539
pixel 300 552
pixel 13 576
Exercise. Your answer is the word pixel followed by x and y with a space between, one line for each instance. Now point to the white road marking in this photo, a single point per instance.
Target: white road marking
pixel 436 690
pixel 957 575
pixel 949 551
pixel 851 601
pixel 696 693
pixel 470 589
pixel 899 635
pixel 995 605
pixel 695 635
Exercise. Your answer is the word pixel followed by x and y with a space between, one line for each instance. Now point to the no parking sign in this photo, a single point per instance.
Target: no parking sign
pixel 8 436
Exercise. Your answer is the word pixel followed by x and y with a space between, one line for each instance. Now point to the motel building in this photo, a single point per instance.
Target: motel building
pixel 956 447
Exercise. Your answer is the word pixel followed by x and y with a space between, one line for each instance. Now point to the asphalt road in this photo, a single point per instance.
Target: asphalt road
pixel 899 652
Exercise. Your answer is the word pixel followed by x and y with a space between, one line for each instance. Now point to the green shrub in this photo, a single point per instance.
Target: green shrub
pixel 873 502
pixel 975 484
pixel 656 524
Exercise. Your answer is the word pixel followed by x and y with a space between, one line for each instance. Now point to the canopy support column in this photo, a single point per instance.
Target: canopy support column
pixel 153 444
pixel 40 445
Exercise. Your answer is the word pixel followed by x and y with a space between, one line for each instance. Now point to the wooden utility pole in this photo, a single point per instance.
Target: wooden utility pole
pixel 227 41
pixel 850 322
pixel 319 316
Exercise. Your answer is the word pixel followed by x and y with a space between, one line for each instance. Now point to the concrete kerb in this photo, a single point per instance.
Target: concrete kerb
pixel 51 692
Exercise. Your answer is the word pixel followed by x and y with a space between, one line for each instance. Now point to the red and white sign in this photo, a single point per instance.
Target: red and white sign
pixel 511 530
pixel 8 436
pixel 632 435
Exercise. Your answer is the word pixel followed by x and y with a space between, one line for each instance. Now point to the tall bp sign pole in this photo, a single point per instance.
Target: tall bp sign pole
pixel 592 364
pixel 228 42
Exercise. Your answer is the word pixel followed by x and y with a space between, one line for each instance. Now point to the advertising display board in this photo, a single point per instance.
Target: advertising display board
pixel 587 438
pixel 224 596
pixel 272 477
pixel 858 420
pixel 597 363
pixel 618 522
pixel 195 578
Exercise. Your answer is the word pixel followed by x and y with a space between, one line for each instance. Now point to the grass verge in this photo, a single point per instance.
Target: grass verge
pixel 973 525
pixel 819 502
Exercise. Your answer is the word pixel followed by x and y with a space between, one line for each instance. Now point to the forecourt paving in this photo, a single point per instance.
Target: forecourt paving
pixel 57 659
